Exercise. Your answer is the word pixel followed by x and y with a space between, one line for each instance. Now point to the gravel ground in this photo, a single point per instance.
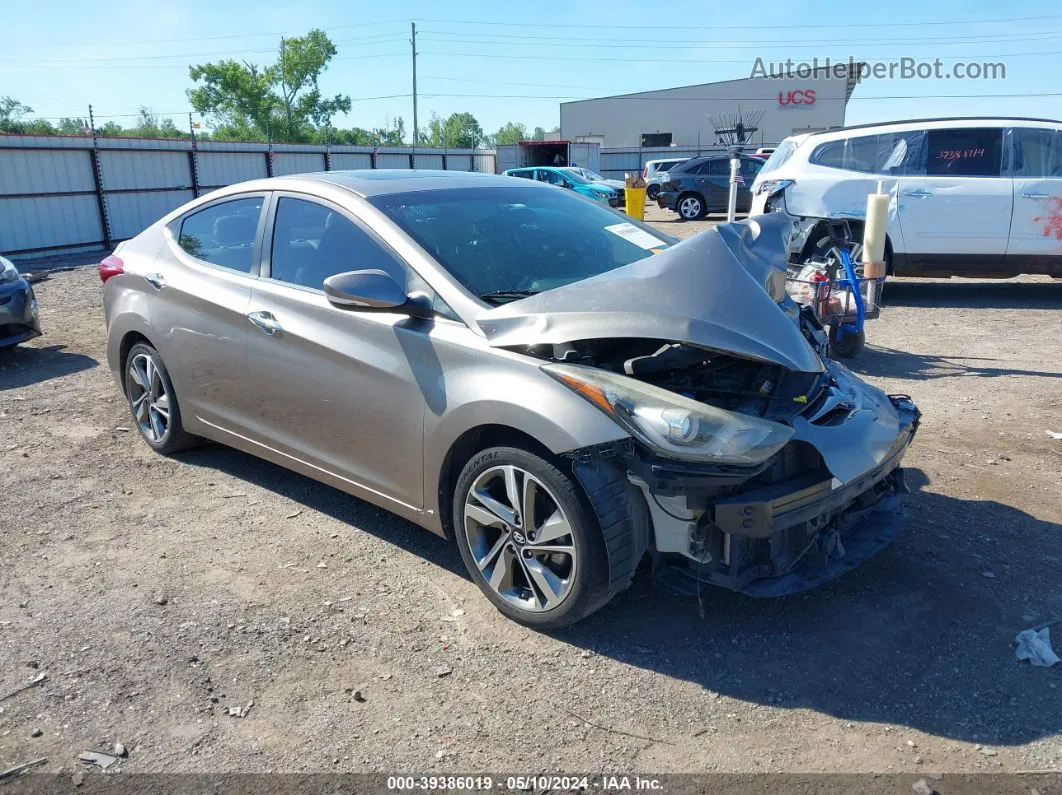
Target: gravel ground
pixel 160 594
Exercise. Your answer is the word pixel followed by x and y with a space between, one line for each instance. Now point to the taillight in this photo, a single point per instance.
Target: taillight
pixel 645 172
pixel 111 266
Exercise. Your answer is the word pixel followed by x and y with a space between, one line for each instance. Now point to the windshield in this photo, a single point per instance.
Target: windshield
pixel 593 176
pixel 503 243
pixel 576 175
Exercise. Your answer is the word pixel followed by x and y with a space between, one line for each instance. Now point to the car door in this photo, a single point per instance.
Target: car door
pixel 713 181
pixel 202 286
pixel 1036 226
pixel 336 389
pixel 956 208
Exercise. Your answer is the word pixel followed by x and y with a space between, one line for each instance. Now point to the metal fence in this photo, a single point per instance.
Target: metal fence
pixel 615 162
pixel 65 195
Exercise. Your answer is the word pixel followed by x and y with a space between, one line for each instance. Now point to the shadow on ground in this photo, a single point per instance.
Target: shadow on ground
pixel 332 502
pixel 916 637
pixel 974 295
pixel 876 360
pixel 25 365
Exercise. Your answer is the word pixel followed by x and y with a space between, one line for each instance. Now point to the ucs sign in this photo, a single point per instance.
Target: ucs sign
pixel 788 99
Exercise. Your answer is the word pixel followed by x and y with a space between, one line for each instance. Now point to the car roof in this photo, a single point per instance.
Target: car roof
pixel 380 182
pixel 936 121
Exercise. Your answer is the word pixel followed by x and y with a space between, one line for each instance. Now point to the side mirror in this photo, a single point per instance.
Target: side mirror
pixel 367 289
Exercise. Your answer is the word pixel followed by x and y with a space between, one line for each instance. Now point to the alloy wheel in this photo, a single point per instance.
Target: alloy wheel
pixel 148 397
pixel 690 208
pixel 520 538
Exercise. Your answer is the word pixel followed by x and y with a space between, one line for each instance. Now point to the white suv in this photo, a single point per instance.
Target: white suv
pixel 654 172
pixel 978 197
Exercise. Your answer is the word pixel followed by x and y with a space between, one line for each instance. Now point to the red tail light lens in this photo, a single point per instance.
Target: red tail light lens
pixel 111 266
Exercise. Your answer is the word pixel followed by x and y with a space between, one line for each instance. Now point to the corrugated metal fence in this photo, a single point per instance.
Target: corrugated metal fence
pixel 61 194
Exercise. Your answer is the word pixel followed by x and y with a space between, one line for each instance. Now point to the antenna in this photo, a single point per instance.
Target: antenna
pixel 735 127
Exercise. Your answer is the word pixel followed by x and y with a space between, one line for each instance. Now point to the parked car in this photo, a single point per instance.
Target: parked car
pixel 979 197
pixel 567 178
pixel 558 390
pixel 652 167
pixel 593 176
pixel 701 185
pixel 19 320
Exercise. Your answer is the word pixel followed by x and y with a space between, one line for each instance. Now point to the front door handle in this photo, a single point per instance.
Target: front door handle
pixel 917 194
pixel 1037 195
pixel 156 280
pixel 265 321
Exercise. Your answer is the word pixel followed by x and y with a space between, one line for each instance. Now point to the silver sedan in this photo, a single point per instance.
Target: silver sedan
pixel 561 390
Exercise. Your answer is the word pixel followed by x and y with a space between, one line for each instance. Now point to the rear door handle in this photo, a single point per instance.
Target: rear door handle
pixel 1037 195
pixel 156 280
pixel 265 321
pixel 918 194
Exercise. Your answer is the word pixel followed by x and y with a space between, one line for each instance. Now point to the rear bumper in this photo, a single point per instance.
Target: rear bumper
pixel 665 200
pixel 18 314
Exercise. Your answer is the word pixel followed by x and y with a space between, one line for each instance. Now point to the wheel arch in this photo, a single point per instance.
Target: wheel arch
pixel 856 225
pixel 466 446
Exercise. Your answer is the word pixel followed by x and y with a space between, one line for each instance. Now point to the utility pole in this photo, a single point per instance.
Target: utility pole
pixel 413 42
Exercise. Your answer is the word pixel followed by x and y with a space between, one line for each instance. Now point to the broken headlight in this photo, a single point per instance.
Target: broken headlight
pixel 671 424
pixel 773 186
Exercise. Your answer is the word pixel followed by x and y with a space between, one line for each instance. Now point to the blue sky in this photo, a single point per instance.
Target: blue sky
pixel 61 55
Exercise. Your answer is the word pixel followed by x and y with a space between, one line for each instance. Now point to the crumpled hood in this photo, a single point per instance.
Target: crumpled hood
pixel 706 291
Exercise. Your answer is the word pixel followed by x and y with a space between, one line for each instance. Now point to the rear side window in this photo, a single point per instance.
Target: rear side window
pixel 1037 152
pixel 717 168
pixel 975 152
pixel 887 153
pixel 223 234
pixel 524 174
pixel 311 242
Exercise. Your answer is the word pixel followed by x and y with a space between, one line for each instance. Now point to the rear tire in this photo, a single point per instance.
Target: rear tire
pixel 529 539
pixel 652 192
pixel 153 402
pixel 690 207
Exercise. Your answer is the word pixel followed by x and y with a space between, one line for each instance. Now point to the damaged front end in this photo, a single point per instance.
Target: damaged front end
pixel 754 462
pixel 824 501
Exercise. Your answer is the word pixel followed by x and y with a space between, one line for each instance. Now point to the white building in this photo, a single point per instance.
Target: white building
pixel 680 116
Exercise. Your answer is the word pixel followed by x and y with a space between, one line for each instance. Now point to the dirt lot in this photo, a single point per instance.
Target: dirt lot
pixel 159 593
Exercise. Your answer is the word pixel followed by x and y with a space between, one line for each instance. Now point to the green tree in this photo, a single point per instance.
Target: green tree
pixel 12 119
pixel 70 126
pixel 510 133
pixel 539 134
pixel 394 134
pixel 457 131
pixel 282 100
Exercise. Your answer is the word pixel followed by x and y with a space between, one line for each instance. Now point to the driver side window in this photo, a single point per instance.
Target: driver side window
pixel 553 178
pixel 312 242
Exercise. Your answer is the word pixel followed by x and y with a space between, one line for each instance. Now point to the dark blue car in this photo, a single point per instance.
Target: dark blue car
pixel 18 307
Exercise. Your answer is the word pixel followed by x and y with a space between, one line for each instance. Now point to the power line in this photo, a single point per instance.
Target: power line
pixel 843 60
pixel 274 34
pixel 844 25
pixel 729 43
pixel 224 53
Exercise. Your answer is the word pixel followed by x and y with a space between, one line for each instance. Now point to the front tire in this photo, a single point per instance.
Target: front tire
pixel 153 402
pixel 690 207
pixel 529 539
